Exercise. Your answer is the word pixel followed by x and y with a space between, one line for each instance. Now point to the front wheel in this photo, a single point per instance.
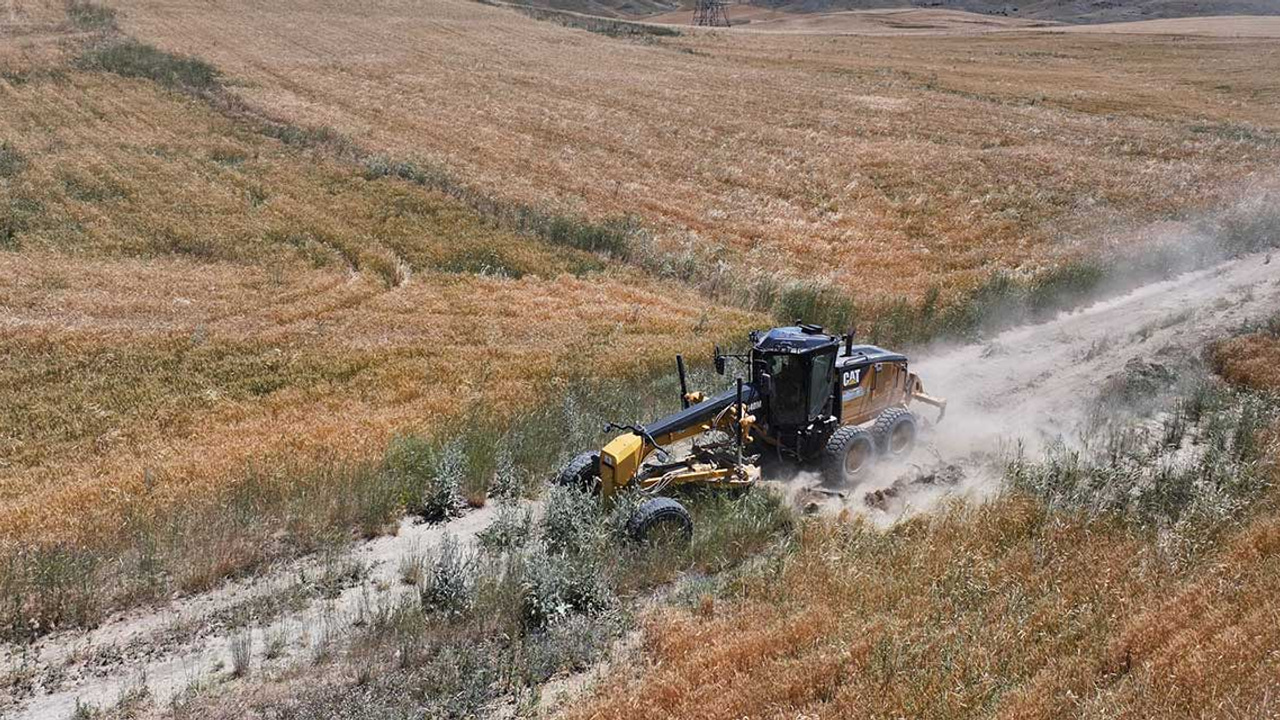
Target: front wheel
pixel 849 455
pixel 660 522
pixel 582 472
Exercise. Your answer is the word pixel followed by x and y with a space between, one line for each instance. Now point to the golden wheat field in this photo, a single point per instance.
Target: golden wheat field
pixel 188 296
pixel 941 157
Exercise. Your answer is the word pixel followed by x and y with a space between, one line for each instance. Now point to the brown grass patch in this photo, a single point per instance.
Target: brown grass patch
pixel 1004 611
pixel 1252 360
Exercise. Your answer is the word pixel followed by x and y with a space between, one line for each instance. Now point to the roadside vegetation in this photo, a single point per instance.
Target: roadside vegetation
pixel 488 626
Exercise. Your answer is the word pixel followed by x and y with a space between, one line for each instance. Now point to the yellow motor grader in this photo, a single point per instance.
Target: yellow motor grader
pixel 809 397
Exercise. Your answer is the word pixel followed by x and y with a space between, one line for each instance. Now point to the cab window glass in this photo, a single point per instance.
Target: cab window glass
pixel 820 387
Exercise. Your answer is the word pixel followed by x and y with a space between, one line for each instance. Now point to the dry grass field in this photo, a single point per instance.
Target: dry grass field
pixel 249 277
pixel 943 158
pixel 898 21
pixel 1214 26
pixel 183 298
pixel 1251 359
pixel 1002 612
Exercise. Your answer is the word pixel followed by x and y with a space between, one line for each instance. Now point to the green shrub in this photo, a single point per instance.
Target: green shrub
pixel 509 479
pixel 1062 286
pixel 310 137
pixel 481 261
pixel 441 496
pixel 511 530
pixel 45 588
pixel 815 304
pixel 134 59
pixel 498 593
pixel 446 587
pixel 570 644
pixel 730 530
pixel 570 521
pixel 1250 227
pixel 12 161
pixel 91 16
pixel 560 585
pixel 16 217
pixel 409 464
pixel 608 237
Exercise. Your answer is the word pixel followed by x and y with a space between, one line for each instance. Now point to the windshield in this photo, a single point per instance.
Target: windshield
pixel 789 391
pixel 801 386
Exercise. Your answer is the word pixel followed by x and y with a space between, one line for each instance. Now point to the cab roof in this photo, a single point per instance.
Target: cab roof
pixel 805 338
pixel 794 339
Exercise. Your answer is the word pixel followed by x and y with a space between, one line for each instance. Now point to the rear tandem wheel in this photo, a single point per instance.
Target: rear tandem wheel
pixel 895 432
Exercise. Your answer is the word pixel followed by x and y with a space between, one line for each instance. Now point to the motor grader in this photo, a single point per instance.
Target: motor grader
pixel 808 397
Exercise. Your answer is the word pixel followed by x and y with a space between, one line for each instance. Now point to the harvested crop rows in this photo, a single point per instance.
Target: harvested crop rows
pixel 771 155
pixel 187 297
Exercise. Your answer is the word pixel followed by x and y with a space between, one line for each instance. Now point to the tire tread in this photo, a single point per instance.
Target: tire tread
pixel 884 425
pixel 654 510
pixel 837 447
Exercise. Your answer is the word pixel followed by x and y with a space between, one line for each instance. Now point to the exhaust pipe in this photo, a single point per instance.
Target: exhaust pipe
pixel 684 383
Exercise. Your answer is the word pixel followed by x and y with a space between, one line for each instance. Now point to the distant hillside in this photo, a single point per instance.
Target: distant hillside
pixel 1072 11
pixel 1076 11
pixel 607 8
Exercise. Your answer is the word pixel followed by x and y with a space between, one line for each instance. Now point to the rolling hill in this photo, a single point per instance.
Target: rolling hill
pixel 1065 11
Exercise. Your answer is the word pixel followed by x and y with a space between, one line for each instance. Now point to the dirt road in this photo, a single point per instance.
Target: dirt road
pixel 1028 383
pixel 1037 383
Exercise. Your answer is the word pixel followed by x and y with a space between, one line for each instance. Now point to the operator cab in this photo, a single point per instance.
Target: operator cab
pixel 812 382
pixel 795 366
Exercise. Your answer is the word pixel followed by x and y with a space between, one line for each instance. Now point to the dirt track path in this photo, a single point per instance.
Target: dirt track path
pixel 1035 383
pixel 189 642
pixel 1028 383
pixel 1031 381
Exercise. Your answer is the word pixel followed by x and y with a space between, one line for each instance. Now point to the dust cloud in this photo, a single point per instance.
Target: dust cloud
pixel 1037 384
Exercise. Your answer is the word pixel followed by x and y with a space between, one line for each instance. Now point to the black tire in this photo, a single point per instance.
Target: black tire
pixel 659 521
pixel 582 472
pixel 849 455
pixel 895 432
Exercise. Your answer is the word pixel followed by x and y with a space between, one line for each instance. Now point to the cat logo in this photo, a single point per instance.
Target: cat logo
pixel 852 377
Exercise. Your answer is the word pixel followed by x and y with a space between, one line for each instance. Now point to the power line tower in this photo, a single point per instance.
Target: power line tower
pixel 711 13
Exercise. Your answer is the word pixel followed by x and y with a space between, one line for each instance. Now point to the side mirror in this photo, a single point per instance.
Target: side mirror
pixel 719 362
